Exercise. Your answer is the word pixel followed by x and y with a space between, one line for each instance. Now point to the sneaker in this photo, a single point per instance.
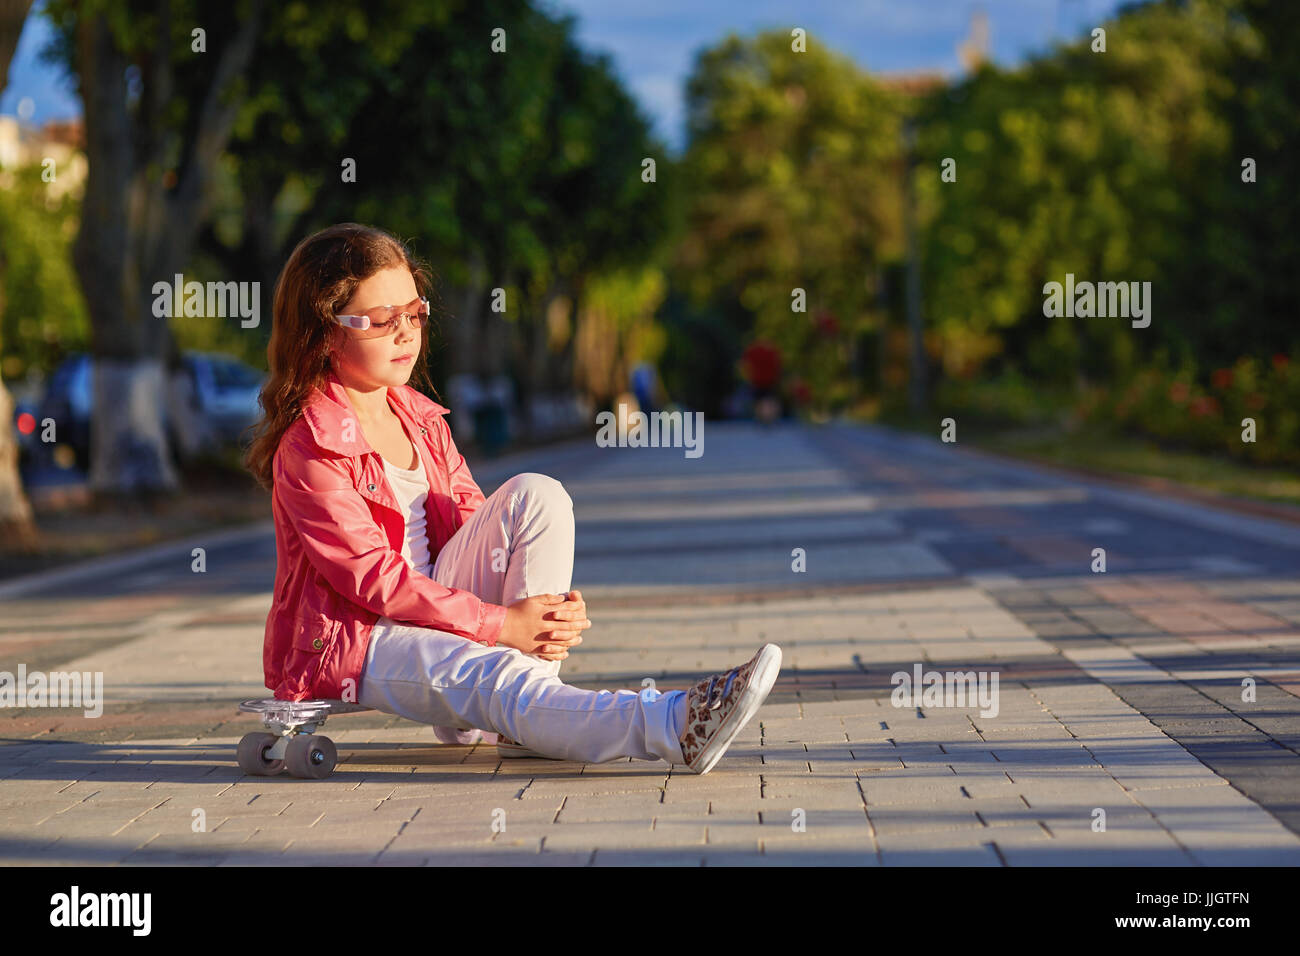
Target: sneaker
pixel 718 707
pixel 455 735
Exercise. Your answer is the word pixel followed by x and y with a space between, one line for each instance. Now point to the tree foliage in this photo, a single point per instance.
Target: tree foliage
pixel 1117 166
pixel 792 171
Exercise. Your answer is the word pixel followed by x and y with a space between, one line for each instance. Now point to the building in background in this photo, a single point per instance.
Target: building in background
pixel 62 141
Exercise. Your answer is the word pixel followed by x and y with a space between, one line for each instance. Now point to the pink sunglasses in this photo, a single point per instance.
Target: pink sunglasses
pixel 386 319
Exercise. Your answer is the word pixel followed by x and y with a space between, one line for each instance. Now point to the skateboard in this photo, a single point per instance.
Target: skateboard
pixel 292 744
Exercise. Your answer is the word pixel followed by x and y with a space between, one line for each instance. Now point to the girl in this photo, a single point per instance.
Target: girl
pixel 398 585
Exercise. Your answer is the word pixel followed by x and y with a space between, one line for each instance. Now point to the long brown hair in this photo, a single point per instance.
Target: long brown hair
pixel 319 279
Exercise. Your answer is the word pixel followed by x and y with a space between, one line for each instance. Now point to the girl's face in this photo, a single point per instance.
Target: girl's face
pixel 366 364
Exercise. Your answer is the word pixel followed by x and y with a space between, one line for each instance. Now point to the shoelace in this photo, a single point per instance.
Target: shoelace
pixel 714 696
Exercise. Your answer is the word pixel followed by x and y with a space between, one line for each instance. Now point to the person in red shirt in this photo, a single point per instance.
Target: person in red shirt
pixel 762 368
pixel 399 585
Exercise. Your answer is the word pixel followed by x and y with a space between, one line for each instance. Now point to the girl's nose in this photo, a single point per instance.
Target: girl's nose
pixel 407 329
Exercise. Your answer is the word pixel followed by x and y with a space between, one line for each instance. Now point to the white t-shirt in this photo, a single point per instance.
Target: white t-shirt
pixel 411 486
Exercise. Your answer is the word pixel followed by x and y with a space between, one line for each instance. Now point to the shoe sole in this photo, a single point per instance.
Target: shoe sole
pixel 518 753
pixel 760 685
pixel 450 737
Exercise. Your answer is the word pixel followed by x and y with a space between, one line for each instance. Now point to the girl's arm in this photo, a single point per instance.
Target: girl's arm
pixel 341 539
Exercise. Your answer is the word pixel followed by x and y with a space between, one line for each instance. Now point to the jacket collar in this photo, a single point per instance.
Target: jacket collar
pixel 327 407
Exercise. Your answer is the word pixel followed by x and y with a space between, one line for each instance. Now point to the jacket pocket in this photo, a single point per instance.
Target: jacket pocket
pixel 313 632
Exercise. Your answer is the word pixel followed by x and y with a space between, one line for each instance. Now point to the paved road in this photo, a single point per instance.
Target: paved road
pixel 1118 691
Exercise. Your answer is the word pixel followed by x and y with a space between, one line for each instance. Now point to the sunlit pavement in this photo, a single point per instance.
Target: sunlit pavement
pixel 1145 715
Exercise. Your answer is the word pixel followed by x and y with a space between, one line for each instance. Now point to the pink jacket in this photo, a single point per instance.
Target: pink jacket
pixel 338 544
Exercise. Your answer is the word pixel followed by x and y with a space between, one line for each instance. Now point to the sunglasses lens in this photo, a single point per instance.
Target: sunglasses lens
pixel 386 321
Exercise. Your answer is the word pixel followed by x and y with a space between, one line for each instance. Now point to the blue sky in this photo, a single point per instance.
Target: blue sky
pixel 653 45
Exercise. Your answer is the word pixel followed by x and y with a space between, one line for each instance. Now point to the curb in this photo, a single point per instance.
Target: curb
pixel 1156 484
pixel 131 559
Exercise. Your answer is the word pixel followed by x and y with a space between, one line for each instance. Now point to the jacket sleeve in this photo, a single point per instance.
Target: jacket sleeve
pixel 463 487
pixel 341 539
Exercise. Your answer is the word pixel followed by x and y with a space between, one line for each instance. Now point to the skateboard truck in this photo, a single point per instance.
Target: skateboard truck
pixel 292 743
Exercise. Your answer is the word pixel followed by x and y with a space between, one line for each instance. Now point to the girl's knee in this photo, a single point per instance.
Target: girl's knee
pixel 541 486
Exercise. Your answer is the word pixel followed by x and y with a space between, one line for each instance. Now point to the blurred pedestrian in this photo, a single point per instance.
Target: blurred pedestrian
pixel 761 363
pixel 645 387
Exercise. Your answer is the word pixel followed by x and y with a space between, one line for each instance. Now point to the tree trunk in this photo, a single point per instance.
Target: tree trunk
pixel 130 448
pixel 138 227
pixel 17 524
pixel 465 326
pixel 128 443
pixel 567 363
pixel 13 14
pixel 533 335
pixel 492 351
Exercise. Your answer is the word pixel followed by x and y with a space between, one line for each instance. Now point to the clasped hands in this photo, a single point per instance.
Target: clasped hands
pixel 545 625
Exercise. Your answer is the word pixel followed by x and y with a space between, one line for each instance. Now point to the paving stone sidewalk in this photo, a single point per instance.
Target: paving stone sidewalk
pixel 1119 693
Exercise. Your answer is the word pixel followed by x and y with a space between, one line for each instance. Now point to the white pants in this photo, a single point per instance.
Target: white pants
pixel 439 678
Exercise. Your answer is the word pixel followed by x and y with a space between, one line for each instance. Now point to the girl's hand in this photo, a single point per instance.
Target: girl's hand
pixel 545 625
pixel 576 597
pixel 556 652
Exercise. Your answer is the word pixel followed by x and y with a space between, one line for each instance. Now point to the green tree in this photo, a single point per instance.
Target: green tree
pixel 516 168
pixel 160 87
pixel 1117 166
pixel 791 165
pixel 44 315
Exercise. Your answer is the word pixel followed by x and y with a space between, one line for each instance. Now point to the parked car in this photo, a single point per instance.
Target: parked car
pixel 222 393
pixel 227 391
pixel 27 401
pixel 67 401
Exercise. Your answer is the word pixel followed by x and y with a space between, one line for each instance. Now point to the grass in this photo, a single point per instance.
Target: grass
pixel 1106 453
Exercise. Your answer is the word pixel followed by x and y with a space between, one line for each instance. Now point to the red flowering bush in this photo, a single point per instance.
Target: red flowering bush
pixel 1177 407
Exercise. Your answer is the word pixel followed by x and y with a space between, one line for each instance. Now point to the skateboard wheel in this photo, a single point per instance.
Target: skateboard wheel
pixel 311 756
pixel 252 755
